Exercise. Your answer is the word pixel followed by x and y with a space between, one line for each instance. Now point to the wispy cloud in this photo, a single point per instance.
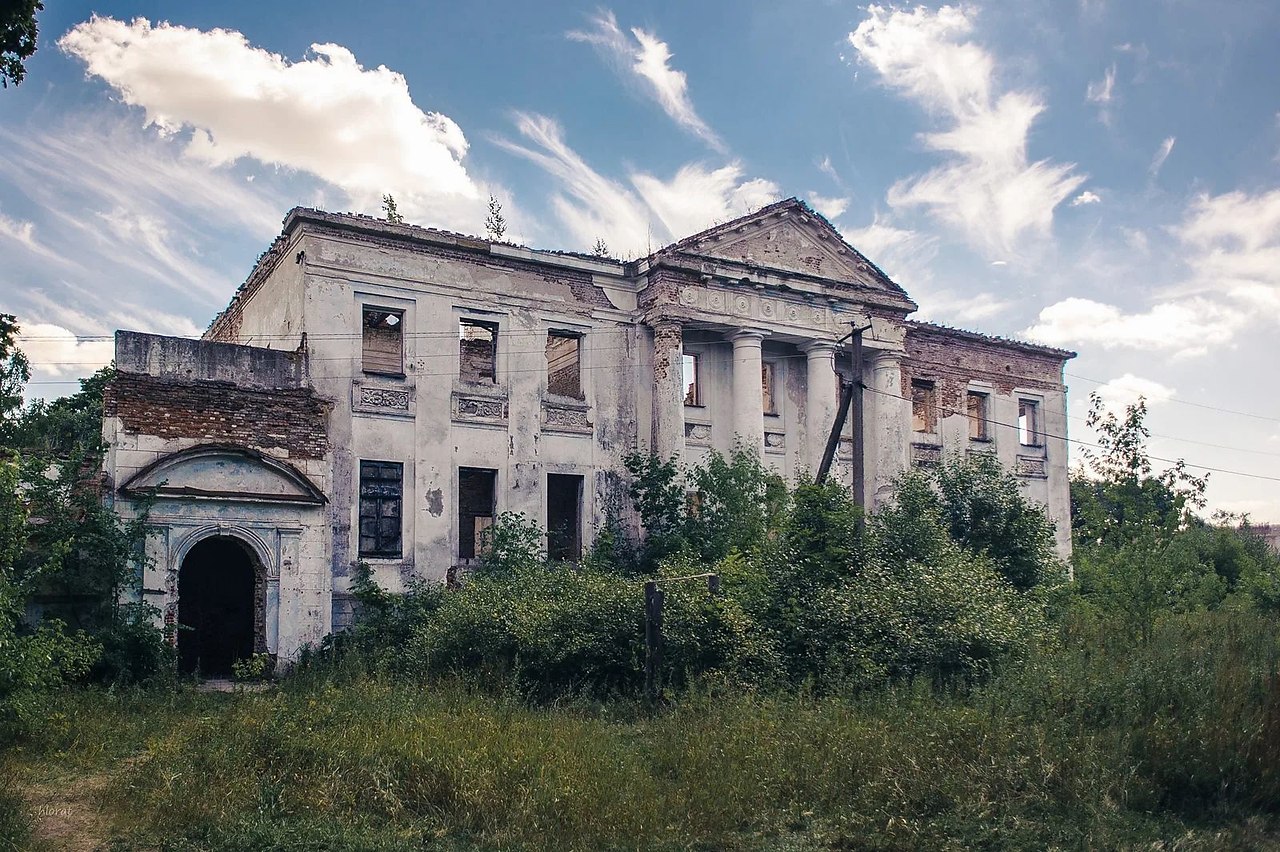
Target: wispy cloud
pixel 988 189
pixel 696 197
pixel 832 208
pixel 1162 154
pixel 352 127
pixel 1086 197
pixel 646 59
pixel 1102 93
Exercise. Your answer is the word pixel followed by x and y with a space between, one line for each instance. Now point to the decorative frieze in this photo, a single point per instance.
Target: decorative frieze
pixel 926 455
pixel 473 408
pixel 1032 467
pixel 775 441
pixel 391 400
pixel 698 433
pixel 565 417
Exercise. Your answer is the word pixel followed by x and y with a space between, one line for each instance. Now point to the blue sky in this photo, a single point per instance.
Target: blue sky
pixel 1096 175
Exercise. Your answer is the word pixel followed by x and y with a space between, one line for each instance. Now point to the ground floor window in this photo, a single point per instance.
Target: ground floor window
pixel 476 508
pixel 564 517
pixel 381 497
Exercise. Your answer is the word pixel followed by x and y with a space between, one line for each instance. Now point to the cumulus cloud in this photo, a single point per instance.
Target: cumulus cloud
pixel 832 208
pixel 1128 389
pixel 1086 197
pixel 353 127
pixel 988 189
pixel 56 350
pixel 1187 328
pixel 646 59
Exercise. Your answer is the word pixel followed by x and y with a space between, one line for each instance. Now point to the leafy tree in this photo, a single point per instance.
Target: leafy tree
pixel 390 211
pixel 601 248
pixel 495 225
pixel 18 33
pixel 15 370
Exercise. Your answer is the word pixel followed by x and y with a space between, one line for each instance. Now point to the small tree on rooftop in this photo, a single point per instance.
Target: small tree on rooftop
pixel 601 248
pixel 495 225
pixel 389 208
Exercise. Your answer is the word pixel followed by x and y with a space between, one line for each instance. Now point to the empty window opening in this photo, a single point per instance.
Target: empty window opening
pixel 564 517
pixel 564 364
pixel 476 510
pixel 924 408
pixel 978 416
pixel 383 349
pixel 381 497
pixel 767 373
pixel 692 367
pixel 1028 423
pixel 477 351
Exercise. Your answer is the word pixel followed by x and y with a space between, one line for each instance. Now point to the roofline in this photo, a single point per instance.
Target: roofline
pixel 979 337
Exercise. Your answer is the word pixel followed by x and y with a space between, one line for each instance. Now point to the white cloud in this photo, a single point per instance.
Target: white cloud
pixel 987 189
pixel 697 198
pixel 55 350
pixel 832 208
pixel 1102 93
pixel 905 255
pixel 592 206
pixel 1127 389
pixel 1188 327
pixel 1162 154
pixel 16 229
pixel 951 307
pixel 1086 197
pixel 648 59
pixel 356 128
pixel 824 166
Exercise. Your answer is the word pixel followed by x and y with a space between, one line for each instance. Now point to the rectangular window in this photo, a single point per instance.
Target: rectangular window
pixel 475 508
pixel 477 351
pixel 692 366
pixel 1028 423
pixel 381 492
pixel 924 409
pixel 383 349
pixel 766 386
pixel 564 517
pixel 978 416
pixel 564 365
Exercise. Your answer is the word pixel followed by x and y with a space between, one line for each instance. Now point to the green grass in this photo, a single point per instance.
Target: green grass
pixel 1091 744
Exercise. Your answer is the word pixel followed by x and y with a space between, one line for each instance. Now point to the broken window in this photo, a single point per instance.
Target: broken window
pixel 924 408
pixel 475 508
pixel 692 366
pixel 477 351
pixel 381 492
pixel 766 386
pixel 564 517
pixel 564 365
pixel 1028 422
pixel 383 349
pixel 978 417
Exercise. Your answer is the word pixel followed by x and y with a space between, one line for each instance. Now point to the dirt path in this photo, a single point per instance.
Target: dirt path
pixel 67 813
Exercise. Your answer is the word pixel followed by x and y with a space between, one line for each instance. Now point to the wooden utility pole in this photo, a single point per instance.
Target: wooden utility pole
pixel 850 397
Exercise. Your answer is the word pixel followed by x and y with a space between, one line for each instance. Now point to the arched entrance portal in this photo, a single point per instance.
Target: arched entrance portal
pixel 217 606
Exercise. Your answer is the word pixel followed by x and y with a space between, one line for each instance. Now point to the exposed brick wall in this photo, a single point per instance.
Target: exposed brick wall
pixel 951 361
pixel 292 419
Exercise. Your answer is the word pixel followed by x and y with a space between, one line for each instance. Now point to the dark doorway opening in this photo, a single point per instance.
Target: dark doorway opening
pixel 216 603
pixel 564 517
pixel 476 509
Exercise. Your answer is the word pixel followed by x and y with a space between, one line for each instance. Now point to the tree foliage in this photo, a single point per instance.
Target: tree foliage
pixel 18 32
pixel 390 211
pixel 495 224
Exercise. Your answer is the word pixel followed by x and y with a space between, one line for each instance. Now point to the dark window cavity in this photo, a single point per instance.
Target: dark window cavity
pixel 564 517
pixel 381 496
pixel 475 508
pixel 477 351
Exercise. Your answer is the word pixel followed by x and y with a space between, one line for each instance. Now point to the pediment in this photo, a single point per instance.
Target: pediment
pixel 223 473
pixel 788 237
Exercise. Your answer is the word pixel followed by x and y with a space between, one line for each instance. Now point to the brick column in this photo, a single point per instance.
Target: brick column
pixel 888 426
pixel 668 388
pixel 748 390
pixel 821 400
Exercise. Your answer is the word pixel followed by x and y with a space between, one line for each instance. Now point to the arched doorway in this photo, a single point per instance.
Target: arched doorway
pixel 217 606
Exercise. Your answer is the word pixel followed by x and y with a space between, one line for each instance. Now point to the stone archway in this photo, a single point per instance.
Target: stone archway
pixel 221 604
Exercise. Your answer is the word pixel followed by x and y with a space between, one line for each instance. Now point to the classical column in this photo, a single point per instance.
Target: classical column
pixel 668 388
pixel 748 390
pixel 888 449
pixel 821 400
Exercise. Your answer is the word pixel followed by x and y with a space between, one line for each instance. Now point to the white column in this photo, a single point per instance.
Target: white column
pixel 668 389
pixel 821 399
pixel 889 427
pixel 748 391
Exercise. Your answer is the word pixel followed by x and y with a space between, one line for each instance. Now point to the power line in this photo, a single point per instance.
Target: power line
pixel 1192 404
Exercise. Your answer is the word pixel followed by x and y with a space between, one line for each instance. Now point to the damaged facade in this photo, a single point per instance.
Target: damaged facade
pixel 380 392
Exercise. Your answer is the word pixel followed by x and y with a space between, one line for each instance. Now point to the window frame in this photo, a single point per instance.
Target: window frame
pixel 365 310
pixel 376 514
pixel 769 387
pixel 494 328
pixel 461 513
pixel 984 435
pixel 581 392
pixel 693 390
pixel 931 406
pixel 1035 426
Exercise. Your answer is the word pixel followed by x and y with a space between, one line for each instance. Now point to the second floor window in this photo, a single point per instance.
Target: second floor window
pixel 564 364
pixel 766 387
pixel 924 407
pixel 1028 422
pixel 692 369
pixel 382 350
pixel 477 351
pixel 978 417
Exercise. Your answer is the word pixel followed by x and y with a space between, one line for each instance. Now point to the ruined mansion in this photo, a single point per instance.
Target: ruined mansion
pixel 380 392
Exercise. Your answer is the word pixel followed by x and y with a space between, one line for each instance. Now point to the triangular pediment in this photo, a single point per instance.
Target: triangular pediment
pixel 223 473
pixel 789 237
